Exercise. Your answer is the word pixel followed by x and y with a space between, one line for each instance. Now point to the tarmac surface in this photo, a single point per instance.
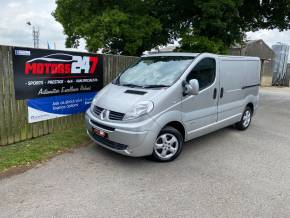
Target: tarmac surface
pixel 227 173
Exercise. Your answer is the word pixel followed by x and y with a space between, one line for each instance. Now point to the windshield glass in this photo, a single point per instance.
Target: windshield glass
pixel 155 71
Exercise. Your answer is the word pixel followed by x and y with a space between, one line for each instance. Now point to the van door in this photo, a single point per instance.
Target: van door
pixel 231 96
pixel 200 111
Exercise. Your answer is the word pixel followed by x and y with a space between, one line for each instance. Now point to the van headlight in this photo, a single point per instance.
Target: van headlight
pixel 94 102
pixel 140 109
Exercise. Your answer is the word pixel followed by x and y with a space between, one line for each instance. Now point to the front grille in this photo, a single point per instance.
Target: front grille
pixel 113 115
pixel 116 115
pixel 108 142
pixel 98 110
pixel 102 126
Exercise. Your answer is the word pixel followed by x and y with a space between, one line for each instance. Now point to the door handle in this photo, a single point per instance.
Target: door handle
pixel 222 92
pixel 214 93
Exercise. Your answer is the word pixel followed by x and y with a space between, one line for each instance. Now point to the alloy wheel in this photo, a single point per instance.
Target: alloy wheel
pixel 247 118
pixel 166 146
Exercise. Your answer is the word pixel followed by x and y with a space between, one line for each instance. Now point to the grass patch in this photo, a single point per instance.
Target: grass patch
pixel 41 148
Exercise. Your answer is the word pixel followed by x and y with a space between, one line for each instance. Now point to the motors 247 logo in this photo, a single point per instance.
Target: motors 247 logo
pixel 62 65
pixel 42 73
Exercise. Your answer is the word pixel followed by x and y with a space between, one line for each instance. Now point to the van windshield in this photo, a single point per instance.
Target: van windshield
pixel 156 71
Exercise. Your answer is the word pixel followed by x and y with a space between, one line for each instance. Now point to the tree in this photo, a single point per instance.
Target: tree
pixel 119 27
pixel 132 26
pixel 213 27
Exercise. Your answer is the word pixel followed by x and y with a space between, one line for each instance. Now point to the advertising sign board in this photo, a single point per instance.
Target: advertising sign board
pixel 42 72
pixel 56 83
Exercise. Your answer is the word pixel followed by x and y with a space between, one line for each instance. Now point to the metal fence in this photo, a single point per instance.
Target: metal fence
pixel 14 126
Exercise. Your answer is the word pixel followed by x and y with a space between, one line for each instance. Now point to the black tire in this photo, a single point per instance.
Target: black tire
pixel 242 125
pixel 167 132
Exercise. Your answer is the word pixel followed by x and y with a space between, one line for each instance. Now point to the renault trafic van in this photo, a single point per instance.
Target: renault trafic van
pixel 164 99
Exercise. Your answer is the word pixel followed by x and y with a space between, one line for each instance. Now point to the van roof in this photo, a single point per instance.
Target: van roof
pixel 188 54
pixel 171 54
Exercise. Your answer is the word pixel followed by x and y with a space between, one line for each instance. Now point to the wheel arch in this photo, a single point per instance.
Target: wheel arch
pixel 250 105
pixel 178 126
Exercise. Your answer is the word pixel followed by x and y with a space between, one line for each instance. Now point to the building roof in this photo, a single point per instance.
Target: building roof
pixel 256 48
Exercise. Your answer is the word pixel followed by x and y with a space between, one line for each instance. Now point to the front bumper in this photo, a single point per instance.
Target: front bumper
pixel 131 139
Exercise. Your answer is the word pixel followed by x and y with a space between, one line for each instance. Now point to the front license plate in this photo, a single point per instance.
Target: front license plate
pixel 100 133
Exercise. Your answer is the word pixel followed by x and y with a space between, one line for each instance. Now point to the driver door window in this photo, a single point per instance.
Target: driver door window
pixel 204 72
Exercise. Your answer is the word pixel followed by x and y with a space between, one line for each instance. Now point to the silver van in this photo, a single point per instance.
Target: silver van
pixel 164 99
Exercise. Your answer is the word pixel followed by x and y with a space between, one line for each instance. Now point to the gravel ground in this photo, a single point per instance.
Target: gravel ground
pixel 228 173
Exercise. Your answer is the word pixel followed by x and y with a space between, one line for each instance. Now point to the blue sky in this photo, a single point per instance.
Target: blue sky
pixel 15 14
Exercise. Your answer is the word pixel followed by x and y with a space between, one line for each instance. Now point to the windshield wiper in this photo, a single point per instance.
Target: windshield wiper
pixel 155 86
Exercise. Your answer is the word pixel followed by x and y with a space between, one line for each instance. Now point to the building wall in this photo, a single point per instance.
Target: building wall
pixel 288 74
pixel 235 51
pixel 258 49
pixel 266 73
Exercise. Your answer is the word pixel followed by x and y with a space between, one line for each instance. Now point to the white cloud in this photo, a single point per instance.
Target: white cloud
pixel 271 37
pixel 15 31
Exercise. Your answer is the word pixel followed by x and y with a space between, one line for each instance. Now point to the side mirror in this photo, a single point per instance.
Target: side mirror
pixel 191 88
pixel 194 86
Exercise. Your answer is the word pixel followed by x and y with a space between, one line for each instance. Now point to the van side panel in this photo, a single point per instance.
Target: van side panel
pixel 252 82
pixel 239 79
pixel 231 82
pixel 251 73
